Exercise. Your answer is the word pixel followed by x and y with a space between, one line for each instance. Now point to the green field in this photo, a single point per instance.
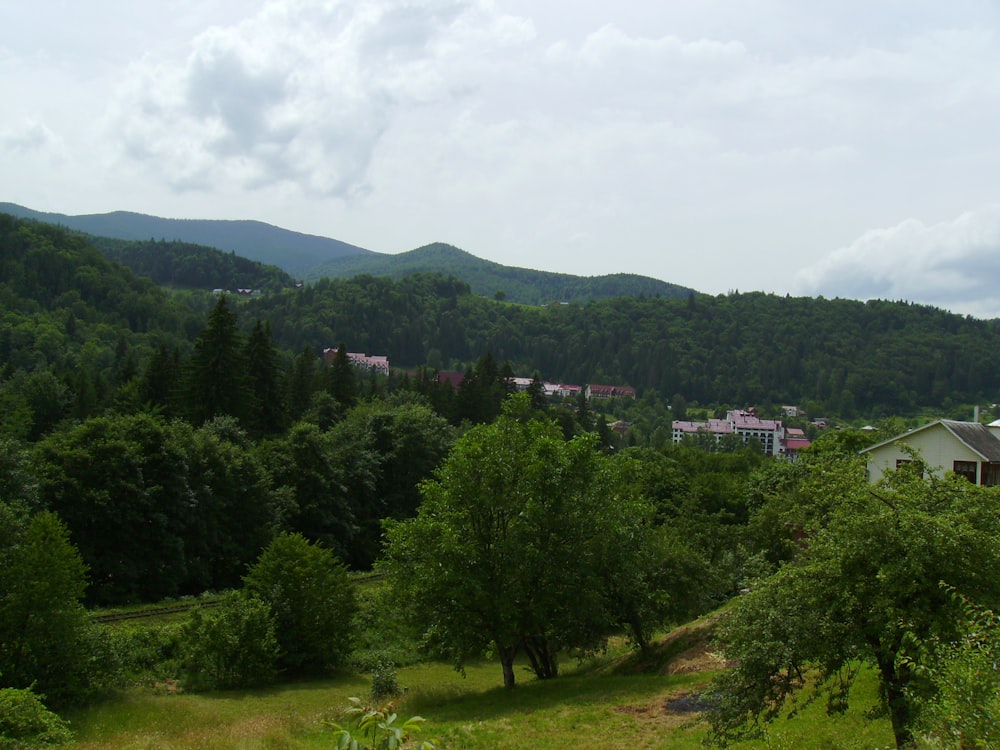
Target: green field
pixel 606 703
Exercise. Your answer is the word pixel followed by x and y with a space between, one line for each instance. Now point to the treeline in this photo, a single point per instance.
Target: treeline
pixel 834 357
pixel 494 280
pixel 76 329
pixel 185 265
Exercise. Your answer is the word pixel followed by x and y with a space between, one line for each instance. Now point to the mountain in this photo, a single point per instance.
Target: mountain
pixel 291 251
pixel 312 257
pixel 495 280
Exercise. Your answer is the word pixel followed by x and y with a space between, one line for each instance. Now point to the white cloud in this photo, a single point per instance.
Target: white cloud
pixel 31 137
pixel 301 92
pixel 953 264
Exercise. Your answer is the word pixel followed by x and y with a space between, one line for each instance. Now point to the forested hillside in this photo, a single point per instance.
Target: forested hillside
pixel 69 311
pixel 185 265
pixel 834 356
pixel 494 280
pixel 293 251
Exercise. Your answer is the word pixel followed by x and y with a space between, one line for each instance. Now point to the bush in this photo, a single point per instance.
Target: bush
pixel 148 652
pixel 312 599
pixel 25 722
pixel 232 646
pixel 384 682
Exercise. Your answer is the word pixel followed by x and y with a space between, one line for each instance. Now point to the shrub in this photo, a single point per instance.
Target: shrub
pixel 312 599
pixel 384 682
pixel 378 728
pixel 25 722
pixel 232 646
pixel 148 652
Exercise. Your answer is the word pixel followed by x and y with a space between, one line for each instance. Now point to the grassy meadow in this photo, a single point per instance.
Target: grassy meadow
pixel 606 703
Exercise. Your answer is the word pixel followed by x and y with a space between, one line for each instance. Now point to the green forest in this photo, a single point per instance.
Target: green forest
pixel 160 442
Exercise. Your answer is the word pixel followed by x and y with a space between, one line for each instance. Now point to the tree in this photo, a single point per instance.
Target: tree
pixel 385 450
pixel 217 378
pixel 231 646
pixel 505 552
pixel 342 381
pixel 234 511
pixel 482 391
pixel 866 580
pixel 121 485
pixel 305 466
pixel 536 391
pixel 962 707
pixel 312 600
pixel 267 405
pixel 302 384
pixel 43 625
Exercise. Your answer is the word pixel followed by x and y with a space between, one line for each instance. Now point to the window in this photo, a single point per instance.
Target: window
pixel 966 469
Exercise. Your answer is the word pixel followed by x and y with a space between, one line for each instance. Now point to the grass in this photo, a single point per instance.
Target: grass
pixel 617 701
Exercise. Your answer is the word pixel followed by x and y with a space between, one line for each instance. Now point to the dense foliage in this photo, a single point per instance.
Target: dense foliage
pixel 189 266
pixel 311 599
pixel 865 581
pixel 519 544
pixel 77 329
pixel 838 357
pixel 232 645
pixel 155 445
pixel 43 625
pixel 25 722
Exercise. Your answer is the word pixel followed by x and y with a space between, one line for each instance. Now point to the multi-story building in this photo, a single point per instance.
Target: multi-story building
pixel 773 436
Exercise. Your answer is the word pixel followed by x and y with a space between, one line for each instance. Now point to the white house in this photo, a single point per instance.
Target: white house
pixel 969 449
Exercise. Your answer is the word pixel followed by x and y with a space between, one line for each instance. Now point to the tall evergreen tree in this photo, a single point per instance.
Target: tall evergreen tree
pixel 160 382
pixel 482 392
pixel 217 374
pixel 267 407
pixel 342 382
pixel 302 384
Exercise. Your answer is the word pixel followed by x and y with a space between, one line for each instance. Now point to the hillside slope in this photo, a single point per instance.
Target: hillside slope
pixel 493 279
pixel 291 251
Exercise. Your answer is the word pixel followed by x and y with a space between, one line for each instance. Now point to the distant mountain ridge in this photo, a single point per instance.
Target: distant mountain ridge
pixel 294 252
pixel 311 257
pixel 493 279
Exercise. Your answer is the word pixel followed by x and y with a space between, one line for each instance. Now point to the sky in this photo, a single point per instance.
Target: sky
pixel 844 149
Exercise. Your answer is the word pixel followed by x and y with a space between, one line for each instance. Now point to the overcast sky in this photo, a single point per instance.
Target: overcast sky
pixel 842 148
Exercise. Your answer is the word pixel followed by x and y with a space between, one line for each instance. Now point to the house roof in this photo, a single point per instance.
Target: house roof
pixel 975 436
pixel 718 426
pixel 796 444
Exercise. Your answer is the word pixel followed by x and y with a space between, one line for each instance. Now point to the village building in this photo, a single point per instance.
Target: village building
pixel 774 438
pixel 969 449
pixel 377 363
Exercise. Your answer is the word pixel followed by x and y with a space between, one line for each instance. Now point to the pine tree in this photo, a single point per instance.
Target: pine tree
pixel 267 407
pixel 217 374
pixel 342 382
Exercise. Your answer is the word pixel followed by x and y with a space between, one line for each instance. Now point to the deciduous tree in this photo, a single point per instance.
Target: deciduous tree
pixel 312 599
pixel 867 578
pixel 506 552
